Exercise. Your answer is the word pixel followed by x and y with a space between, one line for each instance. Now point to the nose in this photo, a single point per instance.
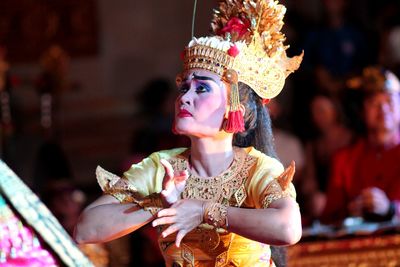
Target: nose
pixel 187 98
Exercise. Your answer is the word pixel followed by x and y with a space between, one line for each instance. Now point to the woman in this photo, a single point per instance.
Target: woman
pixel 332 136
pixel 215 203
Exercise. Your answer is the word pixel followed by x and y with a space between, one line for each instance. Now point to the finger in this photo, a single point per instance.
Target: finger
pixel 181 176
pixel 170 230
pixel 164 220
pixel 366 193
pixel 168 168
pixel 181 234
pixel 166 212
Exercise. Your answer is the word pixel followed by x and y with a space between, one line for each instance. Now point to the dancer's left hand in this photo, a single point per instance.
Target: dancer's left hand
pixel 182 217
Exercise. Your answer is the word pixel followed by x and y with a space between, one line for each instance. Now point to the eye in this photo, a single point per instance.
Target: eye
pixel 183 88
pixel 203 88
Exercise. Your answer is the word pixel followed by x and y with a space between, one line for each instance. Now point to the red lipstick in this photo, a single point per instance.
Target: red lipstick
pixel 184 113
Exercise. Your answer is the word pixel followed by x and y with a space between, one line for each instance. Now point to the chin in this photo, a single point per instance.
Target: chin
pixel 195 131
pixel 182 127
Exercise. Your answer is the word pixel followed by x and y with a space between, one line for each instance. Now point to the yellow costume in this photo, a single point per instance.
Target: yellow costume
pixel 253 180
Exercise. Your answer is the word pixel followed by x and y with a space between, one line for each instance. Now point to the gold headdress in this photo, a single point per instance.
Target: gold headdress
pixel 247 46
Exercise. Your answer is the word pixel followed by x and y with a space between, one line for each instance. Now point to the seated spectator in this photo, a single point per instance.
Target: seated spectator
pixel 365 176
pixel 331 135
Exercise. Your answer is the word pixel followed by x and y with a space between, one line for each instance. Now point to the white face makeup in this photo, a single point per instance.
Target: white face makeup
pixel 201 105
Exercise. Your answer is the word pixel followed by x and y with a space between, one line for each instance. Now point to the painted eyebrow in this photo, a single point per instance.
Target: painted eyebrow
pixel 202 78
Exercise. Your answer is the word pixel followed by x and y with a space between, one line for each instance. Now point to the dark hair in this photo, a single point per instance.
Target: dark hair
pixel 258 133
pixel 258 130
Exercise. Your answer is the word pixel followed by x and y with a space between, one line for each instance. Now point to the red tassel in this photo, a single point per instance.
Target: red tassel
pixel 265 101
pixel 235 122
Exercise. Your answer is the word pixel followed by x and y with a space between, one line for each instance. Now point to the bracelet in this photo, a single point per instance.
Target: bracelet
pixel 215 214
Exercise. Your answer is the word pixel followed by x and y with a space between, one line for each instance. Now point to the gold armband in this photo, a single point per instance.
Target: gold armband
pixel 152 203
pixel 215 214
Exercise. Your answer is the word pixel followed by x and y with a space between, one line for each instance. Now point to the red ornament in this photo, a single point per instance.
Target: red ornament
pixel 265 101
pixel 233 51
pixel 235 122
pixel 236 26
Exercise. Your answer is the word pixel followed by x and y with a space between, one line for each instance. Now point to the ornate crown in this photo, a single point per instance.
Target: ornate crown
pixel 247 39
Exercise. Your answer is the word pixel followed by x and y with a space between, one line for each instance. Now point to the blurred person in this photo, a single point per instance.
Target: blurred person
pixel 365 176
pixel 331 136
pixel 226 191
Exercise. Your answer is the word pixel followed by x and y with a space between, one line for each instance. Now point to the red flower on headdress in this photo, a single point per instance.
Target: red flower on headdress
pixel 236 27
pixel 233 51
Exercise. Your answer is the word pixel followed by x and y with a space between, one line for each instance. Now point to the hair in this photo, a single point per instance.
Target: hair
pixel 258 133
pixel 258 129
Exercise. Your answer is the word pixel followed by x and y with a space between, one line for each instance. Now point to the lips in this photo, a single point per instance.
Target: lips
pixel 184 113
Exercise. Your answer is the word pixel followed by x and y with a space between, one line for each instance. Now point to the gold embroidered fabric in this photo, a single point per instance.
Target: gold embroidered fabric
pixel 249 180
pixel 280 187
pixel 114 185
pixel 226 188
pixel 215 214
pixel 274 192
pixel 126 192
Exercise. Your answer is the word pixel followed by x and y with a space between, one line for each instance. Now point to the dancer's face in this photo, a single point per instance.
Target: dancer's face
pixel 201 105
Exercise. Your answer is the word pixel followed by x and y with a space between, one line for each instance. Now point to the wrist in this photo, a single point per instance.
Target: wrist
pixel 215 214
pixel 152 203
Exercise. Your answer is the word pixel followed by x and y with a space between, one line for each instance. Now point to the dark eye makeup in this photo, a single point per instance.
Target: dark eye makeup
pixel 200 88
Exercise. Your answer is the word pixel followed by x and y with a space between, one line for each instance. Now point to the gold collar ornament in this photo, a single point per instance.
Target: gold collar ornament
pixel 247 40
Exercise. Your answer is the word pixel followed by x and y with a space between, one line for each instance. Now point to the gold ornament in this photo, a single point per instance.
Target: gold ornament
pixel 253 28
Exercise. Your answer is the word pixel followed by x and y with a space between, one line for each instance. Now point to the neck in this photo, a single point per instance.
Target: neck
pixel 209 156
pixel 384 139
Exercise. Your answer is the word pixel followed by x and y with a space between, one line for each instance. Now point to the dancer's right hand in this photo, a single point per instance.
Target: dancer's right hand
pixel 173 183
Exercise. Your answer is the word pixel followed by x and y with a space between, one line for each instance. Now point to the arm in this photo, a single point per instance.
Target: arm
pixel 280 224
pixel 107 219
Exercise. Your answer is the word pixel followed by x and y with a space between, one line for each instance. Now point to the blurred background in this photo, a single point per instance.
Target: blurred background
pixel 86 83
